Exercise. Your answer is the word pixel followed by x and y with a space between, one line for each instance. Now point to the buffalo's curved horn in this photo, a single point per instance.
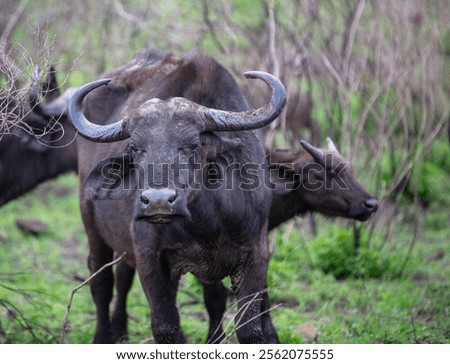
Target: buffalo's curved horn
pixel 94 132
pixel 219 120
pixel 315 152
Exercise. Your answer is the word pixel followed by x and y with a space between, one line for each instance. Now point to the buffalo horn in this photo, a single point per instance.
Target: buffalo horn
pixel 56 108
pixel 33 96
pixel 315 152
pixel 332 146
pixel 219 120
pixel 97 133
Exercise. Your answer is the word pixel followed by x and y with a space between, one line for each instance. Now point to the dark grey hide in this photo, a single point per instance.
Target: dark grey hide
pixel 175 177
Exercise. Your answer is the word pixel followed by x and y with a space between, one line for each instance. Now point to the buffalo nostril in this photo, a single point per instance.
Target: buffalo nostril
pixel 371 204
pixel 158 198
pixel 145 200
pixel 172 198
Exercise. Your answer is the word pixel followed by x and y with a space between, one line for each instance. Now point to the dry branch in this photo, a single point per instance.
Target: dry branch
pixel 77 288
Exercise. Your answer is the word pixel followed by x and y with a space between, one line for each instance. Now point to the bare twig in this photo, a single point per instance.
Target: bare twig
pixel 350 40
pixel 238 326
pixel 77 288
pixel 13 21
pixel 15 63
pixel 130 18
pixel 242 310
pixel 228 312
pixel 19 317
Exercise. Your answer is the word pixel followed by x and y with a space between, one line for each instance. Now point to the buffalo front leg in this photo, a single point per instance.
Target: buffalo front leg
pixel 101 290
pixel 215 297
pixel 124 275
pixel 161 291
pixel 249 286
pixel 269 330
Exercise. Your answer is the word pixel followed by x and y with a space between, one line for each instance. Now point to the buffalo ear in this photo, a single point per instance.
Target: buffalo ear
pixel 112 178
pixel 283 178
pixel 33 143
pixel 216 146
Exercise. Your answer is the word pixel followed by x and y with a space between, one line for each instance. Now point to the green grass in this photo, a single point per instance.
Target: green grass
pixel 38 274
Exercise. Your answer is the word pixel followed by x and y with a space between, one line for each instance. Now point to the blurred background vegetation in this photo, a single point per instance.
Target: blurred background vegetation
pixel 372 74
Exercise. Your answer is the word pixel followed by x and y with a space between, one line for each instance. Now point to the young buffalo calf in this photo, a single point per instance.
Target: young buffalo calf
pixel 315 180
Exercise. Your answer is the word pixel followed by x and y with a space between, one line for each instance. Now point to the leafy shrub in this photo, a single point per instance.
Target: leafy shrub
pixel 428 178
pixel 334 252
pixel 430 175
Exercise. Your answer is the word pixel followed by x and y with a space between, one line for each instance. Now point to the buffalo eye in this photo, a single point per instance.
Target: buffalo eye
pixel 133 150
pixel 213 172
pixel 333 174
pixel 191 148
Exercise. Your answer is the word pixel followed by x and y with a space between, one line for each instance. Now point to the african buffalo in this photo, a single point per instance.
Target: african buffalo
pixel 41 146
pixel 173 174
pixel 309 180
pixel 316 180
